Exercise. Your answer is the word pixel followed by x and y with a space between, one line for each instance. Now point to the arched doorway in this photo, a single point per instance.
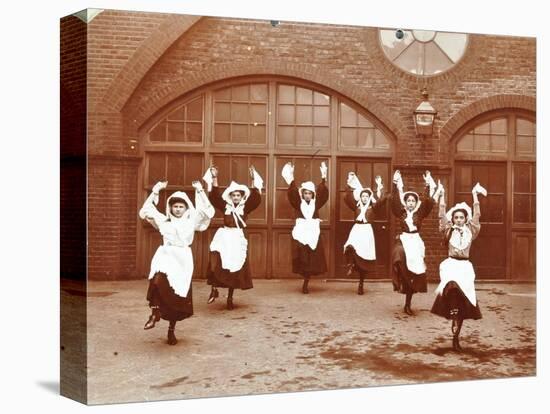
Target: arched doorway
pixel 266 121
pixel 498 149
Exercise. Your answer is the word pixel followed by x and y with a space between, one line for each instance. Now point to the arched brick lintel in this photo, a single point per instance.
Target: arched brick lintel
pixel 140 113
pixel 491 103
pixel 149 52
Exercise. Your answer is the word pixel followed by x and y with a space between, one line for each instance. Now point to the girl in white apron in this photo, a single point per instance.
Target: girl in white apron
pixel 409 268
pixel 456 296
pixel 169 294
pixel 229 266
pixel 308 253
pixel 359 249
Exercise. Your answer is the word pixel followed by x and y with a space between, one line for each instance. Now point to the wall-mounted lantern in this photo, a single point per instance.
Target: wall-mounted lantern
pixel 424 117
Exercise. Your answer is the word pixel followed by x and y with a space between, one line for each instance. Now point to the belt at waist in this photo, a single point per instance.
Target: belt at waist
pixel 458 258
pixel 410 232
pixel 361 222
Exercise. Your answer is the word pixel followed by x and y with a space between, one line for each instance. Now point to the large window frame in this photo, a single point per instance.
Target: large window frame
pixel 271 150
pixel 511 157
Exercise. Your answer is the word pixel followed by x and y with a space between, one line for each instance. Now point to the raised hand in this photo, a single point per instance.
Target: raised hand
pixel 214 171
pixel 427 177
pixel 251 170
pixel 439 192
pixel 161 185
pixel 324 170
pixel 197 185
pixel 397 176
pixel 378 181
pixel 288 172
pixel 479 190
pixel 351 179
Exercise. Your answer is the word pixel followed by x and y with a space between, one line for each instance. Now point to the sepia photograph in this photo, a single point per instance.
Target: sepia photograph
pixel 257 206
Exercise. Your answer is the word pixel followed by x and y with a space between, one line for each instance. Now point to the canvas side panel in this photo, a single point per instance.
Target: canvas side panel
pixel 73 340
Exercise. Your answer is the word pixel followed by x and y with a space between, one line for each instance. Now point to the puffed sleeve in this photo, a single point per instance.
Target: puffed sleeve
pixel 150 213
pixel 350 200
pixel 427 204
pixel 321 197
pixel 215 197
pixel 395 200
pixel 253 201
pixel 293 195
pixel 380 205
pixel 204 211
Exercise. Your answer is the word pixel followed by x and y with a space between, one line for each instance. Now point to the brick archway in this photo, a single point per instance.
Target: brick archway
pixel 137 113
pixel 491 103
pixel 150 51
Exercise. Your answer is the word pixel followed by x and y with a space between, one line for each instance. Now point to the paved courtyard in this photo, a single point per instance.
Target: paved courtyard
pixel 278 340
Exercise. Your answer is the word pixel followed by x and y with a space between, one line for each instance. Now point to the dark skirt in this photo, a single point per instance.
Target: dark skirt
pixel 453 298
pixel 306 261
pixel 362 266
pixel 172 306
pixel 403 280
pixel 223 278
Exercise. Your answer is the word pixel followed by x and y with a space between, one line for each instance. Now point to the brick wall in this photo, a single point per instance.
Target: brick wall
pixel 139 62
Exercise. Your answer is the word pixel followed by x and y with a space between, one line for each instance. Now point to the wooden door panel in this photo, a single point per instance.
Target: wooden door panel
pixel 489 250
pixel 257 252
pixel 524 247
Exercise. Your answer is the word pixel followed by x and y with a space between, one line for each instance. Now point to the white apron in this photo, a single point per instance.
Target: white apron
pixel 361 237
pixel 461 272
pixel 232 246
pixel 414 252
pixel 177 263
pixel 307 231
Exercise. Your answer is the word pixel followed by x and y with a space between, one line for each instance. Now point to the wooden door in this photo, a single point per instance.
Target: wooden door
pixel 366 169
pixel 489 250
pixel 524 220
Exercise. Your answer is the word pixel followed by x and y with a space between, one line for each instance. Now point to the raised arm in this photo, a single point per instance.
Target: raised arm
pixel 395 201
pixel 149 211
pixel 293 195
pixel 321 197
pixel 215 195
pixel 380 206
pixel 349 199
pixel 255 198
pixel 253 201
pixel 204 210
pixel 444 223
pixel 427 204
pixel 475 225
pixel 381 197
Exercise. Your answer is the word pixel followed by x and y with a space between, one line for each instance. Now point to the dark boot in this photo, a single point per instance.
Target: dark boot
pixel 172 340
pixel 407 307
pixel 230 299
pixel 305 290
pixel 360 289
pixel 153 318
pixel 455 328
pixel 213 295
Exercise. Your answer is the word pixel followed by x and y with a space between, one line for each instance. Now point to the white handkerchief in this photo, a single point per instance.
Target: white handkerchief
pixel 288 174
pixel 480 190
pixel 258 182
pixel 208 179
